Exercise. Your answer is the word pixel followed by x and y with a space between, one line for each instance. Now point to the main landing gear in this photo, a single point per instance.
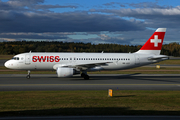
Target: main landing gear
pixel 28 75
pixel 85 76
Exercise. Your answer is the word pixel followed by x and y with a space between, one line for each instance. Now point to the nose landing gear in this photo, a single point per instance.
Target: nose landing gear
pixel 28 75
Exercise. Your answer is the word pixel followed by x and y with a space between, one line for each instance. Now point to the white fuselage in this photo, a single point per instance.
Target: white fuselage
pixel 48 61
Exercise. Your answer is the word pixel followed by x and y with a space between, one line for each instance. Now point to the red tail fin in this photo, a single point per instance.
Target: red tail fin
pixel 154 43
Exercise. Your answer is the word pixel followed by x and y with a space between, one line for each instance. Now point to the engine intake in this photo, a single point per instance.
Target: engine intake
pixel 65 72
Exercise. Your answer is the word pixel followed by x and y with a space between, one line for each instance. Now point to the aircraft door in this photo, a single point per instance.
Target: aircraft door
pixel 137 60
pixel 27 60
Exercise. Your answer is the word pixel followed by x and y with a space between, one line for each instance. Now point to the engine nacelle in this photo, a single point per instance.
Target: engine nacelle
pixel 65 72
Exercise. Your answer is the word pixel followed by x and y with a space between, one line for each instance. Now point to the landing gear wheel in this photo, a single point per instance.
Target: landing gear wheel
pixel 83 74
pixel 86 77
pixel 28 76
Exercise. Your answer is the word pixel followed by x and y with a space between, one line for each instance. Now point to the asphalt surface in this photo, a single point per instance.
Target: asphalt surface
pixel 18 82
pixel 2 62
pixel 95 118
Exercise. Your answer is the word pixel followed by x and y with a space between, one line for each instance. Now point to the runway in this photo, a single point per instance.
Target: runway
pixel 18 82
pixel 2 62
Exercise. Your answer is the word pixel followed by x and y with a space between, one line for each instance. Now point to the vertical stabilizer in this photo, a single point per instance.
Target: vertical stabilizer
pixel 154 43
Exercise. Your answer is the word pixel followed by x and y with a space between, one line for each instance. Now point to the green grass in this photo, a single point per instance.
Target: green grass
pixel 6 57
pixel 125 102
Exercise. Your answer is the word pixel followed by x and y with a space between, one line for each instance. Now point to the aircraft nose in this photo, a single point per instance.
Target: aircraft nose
pixel 6 64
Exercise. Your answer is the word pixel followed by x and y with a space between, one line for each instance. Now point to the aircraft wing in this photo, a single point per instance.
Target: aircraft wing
pixel 91 65
pixel 83 66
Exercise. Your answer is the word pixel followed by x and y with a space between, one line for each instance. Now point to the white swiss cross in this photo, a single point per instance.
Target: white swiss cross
pixel 156 40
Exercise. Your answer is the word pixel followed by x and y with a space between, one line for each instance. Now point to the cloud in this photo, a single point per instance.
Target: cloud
pixel 32 19
pixel 114 4
pixel 63 22
pixel 22 36
pixel 151 17
pixel 30 5
pixel 147 5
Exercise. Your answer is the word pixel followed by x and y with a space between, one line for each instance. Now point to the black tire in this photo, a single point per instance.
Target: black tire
pixel 28 77
pixel 86 77
pixel 83 75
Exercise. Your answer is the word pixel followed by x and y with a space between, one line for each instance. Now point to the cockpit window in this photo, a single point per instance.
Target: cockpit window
pixel 15 58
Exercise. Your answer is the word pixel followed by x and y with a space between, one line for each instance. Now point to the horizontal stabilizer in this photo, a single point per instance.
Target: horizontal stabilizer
pixel 158 57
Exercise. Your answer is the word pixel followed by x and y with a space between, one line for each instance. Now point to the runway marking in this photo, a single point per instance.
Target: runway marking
pixel 89 84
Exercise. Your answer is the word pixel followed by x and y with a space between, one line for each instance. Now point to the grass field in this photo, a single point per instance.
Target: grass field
pixel 6 57
pixel 125 102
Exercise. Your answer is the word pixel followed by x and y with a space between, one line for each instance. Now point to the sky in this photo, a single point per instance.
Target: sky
pixel 127 22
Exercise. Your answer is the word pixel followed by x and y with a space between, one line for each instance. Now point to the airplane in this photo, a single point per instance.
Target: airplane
pixel 69 64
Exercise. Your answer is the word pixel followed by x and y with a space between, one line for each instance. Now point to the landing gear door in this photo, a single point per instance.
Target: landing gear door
pixel 27 60
pixel 137 60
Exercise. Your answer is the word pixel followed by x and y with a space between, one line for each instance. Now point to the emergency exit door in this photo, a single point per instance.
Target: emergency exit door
pixel 27 59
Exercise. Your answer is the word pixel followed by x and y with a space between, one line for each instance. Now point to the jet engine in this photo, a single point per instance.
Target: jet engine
pixel 65 72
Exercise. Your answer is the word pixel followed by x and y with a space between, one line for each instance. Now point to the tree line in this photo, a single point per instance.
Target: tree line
pixel 12 48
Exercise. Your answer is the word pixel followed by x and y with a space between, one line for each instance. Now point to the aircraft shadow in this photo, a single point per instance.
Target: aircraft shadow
pixel 100 111
pixel 131 76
